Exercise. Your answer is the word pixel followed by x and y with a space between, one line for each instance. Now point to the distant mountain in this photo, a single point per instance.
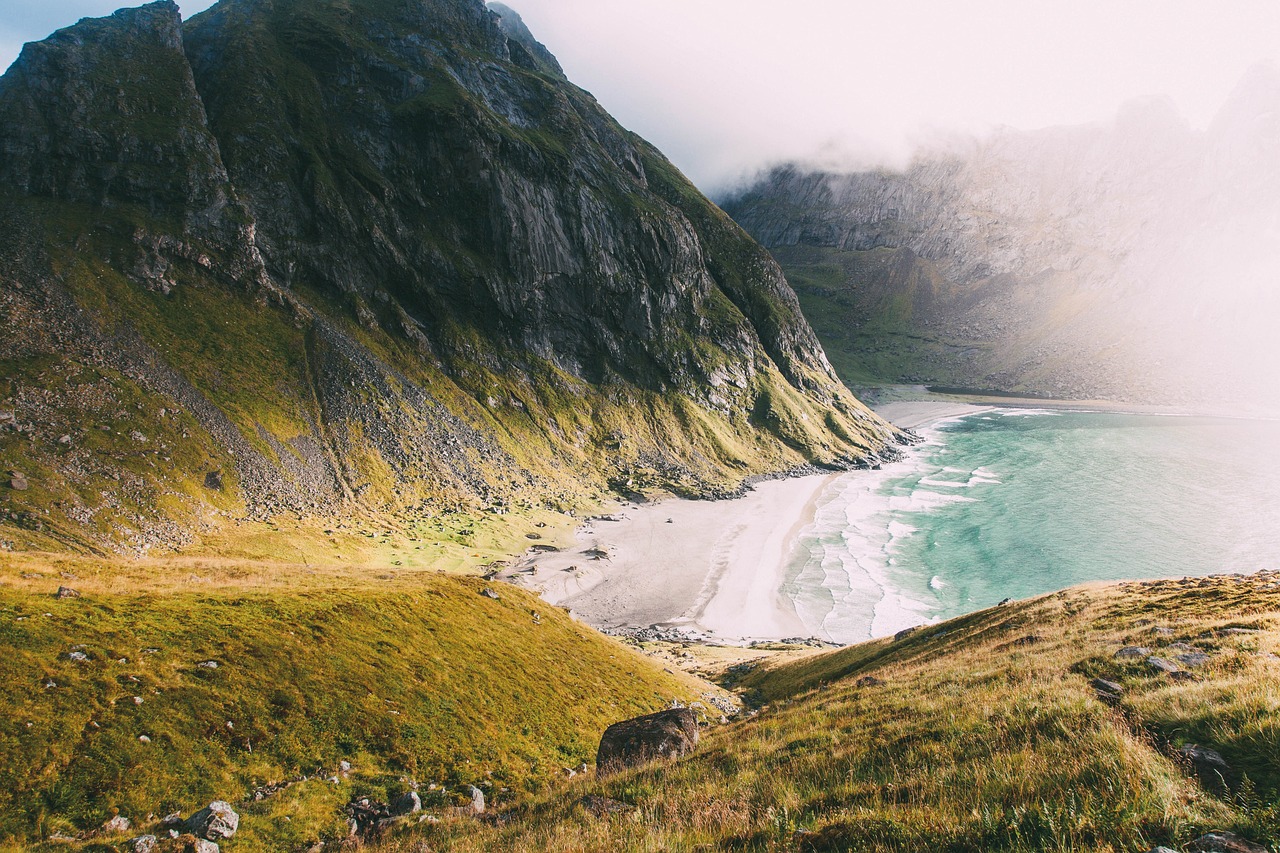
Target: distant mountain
pixel 1136 259
pixel 319 256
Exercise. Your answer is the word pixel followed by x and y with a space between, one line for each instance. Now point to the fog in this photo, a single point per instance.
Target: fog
pixel 724 87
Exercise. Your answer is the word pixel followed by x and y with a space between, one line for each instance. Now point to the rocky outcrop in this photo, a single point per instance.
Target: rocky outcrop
pixel 1125 259
pixel 373 253
pixel 666 734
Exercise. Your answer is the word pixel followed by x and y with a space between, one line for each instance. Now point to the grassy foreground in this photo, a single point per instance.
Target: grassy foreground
pixel 984 733
pixel 165 685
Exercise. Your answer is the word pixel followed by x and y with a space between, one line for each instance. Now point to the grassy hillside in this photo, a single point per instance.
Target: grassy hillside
pixel 983 733
pixel 245 675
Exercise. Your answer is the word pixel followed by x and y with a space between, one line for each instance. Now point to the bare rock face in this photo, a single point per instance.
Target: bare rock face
pixel 666 734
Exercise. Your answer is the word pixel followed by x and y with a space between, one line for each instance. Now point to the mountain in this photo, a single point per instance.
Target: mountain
pixel 367 257
pixel 1132 259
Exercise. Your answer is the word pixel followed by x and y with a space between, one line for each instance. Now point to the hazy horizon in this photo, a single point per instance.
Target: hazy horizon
pixel 727 88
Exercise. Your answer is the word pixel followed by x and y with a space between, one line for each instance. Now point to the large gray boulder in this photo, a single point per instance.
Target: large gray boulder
pixel 666 734
pixel 214 822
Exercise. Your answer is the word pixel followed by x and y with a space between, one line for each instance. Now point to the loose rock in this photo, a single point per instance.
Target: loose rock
pixel 119 823
pixel 1129 652
pixel 1165 666
pixel 67 592
pixel 143 844
pixel 1224 842
pixel 666 734
pixel 869 681
pixel 214 822
pixel 407 803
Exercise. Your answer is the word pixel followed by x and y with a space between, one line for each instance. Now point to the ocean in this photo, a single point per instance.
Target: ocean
pixel 1011 503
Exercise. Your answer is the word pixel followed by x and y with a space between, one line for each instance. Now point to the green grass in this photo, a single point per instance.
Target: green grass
pixel 973 742
pixel 409 677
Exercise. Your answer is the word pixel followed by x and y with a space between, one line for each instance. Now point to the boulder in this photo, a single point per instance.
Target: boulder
pixel 477 801
pixel 1194 659
pixel 143 844
pixel 1224 842
pixel 199 845
pixel 1203 757
pixel 214 822
pixel 666 734
pixel 1162 850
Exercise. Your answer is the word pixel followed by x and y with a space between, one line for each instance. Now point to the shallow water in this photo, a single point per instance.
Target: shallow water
pixel 1017 502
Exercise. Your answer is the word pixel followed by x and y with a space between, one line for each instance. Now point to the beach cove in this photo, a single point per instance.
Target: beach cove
pixel 995 503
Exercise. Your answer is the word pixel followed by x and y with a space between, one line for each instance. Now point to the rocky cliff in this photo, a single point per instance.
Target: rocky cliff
pixel 380 256
pixel 1128 259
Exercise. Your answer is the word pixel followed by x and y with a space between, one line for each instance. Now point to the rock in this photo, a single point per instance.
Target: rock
pixel 407 803
pixel 78 657
pixel 19 483
pixel 488 593
pixel 119 823
pixel 1162 665
pixel 868 681
pixel 1194 659
pixel 213 822
pixel 1204 758
pixel 199 845
pixel 603 806
pixel 1162 850
pixel 477 800
pixel 143 844
pixel 213 481
pixel 171 820
pixel 1107 689
pixel 1224 842
pixel 904 633
pixel 666 734
pixel 344 766
pixel 1129 652
pixel 1028 640
pixel 1182 647
pixel 208 664
pixel 67 592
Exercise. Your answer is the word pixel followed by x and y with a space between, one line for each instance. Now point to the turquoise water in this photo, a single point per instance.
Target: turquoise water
pixel 1015 502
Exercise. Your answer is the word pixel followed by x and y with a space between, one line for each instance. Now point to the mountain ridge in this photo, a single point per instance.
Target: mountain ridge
pixel 381 259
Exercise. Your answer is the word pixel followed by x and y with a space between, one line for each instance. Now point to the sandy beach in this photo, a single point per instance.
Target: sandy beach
pixel 712 568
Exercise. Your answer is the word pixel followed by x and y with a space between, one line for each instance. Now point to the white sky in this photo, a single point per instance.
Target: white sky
pixel 726 86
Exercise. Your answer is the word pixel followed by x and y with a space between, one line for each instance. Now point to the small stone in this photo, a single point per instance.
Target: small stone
pixel 1162 665
pixel 19 483
pixel 1224 842
pixel 1194 659
pixel 78 657
pixel 137 700
pixel 1028 640
pixel 119 823
pixel 1162 850
pixel 344 766
pixel 143 844
pixel 1129 652
pixel 488 593
pixel 477 801
pixel 1103 686
pixel 407 803
pixel 208 664
pixel 903 634
pixel 213 822
pixel 1203 757
pixel 170 820
pixel 869 681
pixel 67 592
pixel 213 481
pixel 200 845
pixel 144 738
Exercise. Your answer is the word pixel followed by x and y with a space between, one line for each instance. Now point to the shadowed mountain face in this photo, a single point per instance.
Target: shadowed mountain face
pixel 300 256
pixel 1131 260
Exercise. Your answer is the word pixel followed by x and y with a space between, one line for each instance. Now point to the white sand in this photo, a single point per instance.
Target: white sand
pixel 715 568
pixel 707 567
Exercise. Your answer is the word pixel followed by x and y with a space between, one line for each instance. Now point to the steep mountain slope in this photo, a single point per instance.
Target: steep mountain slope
pixel 375 258
pixel 1133 259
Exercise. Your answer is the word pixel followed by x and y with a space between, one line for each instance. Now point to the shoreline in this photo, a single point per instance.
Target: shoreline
pixel 709 571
